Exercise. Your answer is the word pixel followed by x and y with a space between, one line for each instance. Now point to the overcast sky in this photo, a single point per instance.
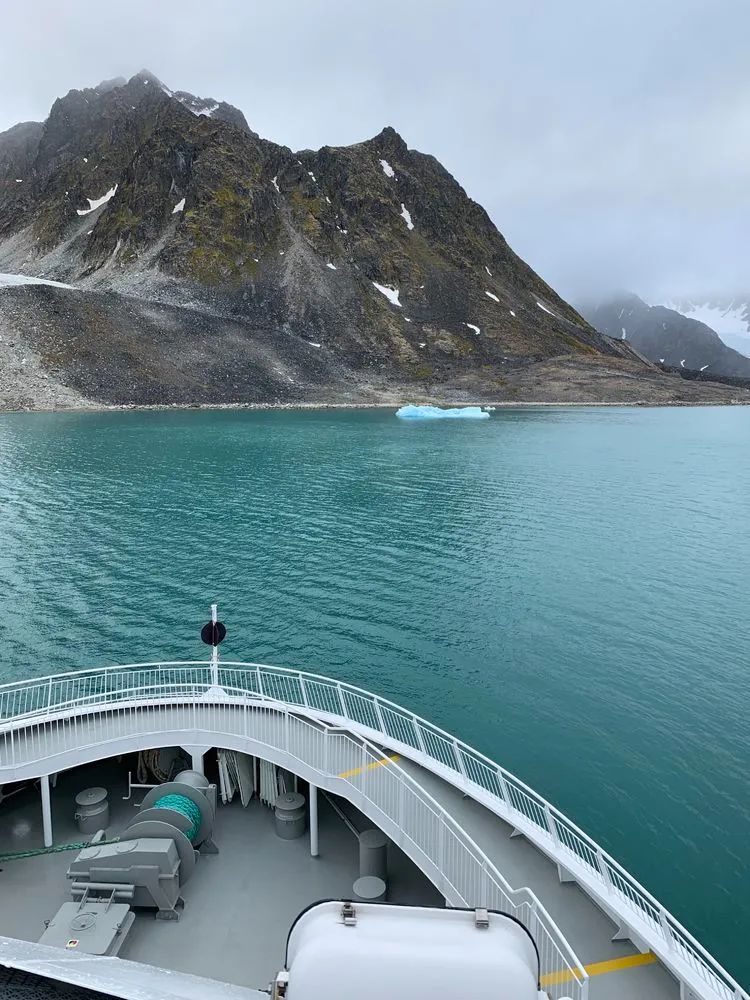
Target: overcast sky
pixel 608 139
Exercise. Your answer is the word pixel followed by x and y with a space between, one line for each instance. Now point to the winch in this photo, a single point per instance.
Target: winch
pixel 146 867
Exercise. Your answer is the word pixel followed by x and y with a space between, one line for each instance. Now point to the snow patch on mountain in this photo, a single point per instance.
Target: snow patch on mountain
pixel 731 316
pixel 391 294
pixel 387 168
pixel 13 280
pixel 406 216
pixel 95 203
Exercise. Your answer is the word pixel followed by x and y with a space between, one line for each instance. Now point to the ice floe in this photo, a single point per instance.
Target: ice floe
pixel 473 327
pixel 492 296
pixel 12 280
pixel 387 168
pixel 179 206
pixel 411 412
pixel 391 294
pixel 406 216
pixel 95 203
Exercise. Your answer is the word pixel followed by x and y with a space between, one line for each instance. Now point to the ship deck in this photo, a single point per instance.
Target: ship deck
pixel 617 969
pixel 241 902
pixel 446 809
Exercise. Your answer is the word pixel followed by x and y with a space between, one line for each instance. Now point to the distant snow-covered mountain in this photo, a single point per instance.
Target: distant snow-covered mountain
pixel 727 316
pixel 666 335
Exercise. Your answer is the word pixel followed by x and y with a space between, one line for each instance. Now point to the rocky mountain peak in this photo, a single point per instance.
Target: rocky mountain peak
pixel 363 262
pixel 389 140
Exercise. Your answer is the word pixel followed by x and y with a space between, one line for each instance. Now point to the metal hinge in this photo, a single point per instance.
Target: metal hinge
pixel 279 986
pixel 481 917
pixel 349 914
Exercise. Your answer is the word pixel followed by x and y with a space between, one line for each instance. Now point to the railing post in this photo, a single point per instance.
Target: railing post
pixel 603 870
pixel 506 789
pixel 379 714
pixel 260 681
pixel 551 823
pixel 664 923
pixel 341 700
pixel 459 760
pixel 418 734
pixel 441 850
pixel 304 692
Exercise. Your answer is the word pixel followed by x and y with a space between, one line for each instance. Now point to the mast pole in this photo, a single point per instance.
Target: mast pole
pixel 214 648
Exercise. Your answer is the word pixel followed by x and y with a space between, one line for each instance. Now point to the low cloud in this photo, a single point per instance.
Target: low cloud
pixel 610 143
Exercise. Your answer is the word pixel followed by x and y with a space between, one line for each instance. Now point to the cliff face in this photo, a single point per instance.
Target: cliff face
pixel 353 268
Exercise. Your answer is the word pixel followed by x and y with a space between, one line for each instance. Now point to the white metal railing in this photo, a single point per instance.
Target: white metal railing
pixel 378 718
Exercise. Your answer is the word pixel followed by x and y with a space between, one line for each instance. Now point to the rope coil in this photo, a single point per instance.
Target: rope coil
pixel 186 807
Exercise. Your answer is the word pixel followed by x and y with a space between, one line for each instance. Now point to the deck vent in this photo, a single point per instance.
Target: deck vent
pixel 481 918
pixel 349 914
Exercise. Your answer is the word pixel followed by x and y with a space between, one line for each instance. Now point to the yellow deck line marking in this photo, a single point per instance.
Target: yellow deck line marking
pixel 376 763
pixel 601 968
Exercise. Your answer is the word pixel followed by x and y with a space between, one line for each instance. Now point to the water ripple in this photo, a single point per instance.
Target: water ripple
pixel 566 589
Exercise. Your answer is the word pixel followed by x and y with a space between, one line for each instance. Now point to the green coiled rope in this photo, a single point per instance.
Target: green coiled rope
pixel 182 804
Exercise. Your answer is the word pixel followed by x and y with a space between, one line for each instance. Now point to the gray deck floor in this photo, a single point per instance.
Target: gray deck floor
pixel 258 884
pixel 240 903
pixel 587 928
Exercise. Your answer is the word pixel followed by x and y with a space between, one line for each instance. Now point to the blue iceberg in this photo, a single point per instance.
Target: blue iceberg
pixel 411 412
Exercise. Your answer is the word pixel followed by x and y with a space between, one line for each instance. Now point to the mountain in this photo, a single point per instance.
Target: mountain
pixel 667 336
pixel 205 264
pixel 729 316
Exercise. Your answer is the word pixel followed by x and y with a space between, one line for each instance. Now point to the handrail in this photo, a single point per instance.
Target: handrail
pixel 546 825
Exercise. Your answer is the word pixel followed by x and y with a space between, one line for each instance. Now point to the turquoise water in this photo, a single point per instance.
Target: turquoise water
pixel 565 589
